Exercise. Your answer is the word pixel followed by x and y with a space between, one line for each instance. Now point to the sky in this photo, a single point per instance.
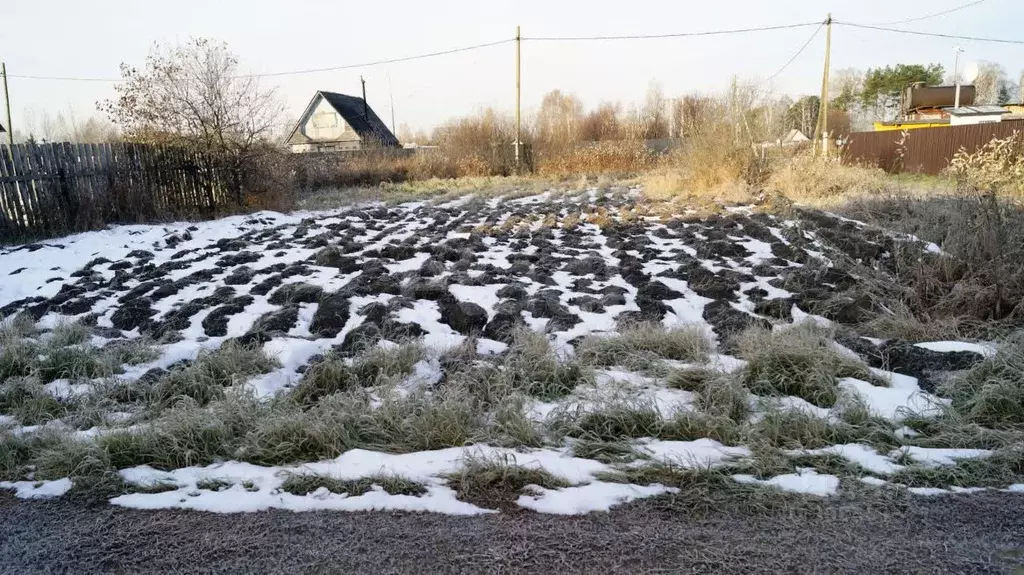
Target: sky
pixel 71 38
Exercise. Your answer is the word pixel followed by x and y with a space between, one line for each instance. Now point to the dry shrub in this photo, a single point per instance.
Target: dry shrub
pixel 997 167
pixel 976 284
pixel 806 177
pixel 716 159
pixel 624 156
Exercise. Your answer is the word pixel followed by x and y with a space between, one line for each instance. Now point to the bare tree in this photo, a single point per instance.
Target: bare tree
pixel 194 94
pixel 990 81
pixel 559 118
pixel 601 123
pixel 654 114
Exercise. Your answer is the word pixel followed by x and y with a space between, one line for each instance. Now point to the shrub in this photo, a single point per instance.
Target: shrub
pixel 998 166
pixel 809 177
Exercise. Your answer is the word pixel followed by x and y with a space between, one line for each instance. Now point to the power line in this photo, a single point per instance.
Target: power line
pixel 797 55
pixel 926 17
pixel 930 34
pixel 672 35
pixel 380 62
pixel 295 72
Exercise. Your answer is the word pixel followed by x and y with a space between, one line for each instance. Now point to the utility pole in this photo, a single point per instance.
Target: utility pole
pixel 821 127
pixel 7 101
pixel 391 96
pixel 956 75
pixel 518 98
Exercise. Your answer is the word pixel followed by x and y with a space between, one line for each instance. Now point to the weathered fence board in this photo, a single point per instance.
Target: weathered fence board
pixel 924 150
pixel 55 189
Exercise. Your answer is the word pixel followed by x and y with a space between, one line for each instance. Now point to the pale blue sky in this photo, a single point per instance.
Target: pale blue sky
pixel 90 39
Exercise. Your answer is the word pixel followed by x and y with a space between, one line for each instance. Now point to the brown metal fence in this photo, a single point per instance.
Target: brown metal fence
pixel 924 150
pixel 54 189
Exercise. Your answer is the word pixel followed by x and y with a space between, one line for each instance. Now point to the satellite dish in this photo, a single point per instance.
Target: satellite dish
pixel 970 73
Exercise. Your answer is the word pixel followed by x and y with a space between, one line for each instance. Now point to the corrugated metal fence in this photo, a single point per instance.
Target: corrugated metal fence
pixel 54 189
pixel 925 150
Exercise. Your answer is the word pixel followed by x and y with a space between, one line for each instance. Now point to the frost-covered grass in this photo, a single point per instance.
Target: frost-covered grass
pixel 798 361
pixel 638 346
pixel 992 393
pixel 1001 468
pixel 306 483
pixel 574 414
pixel 497 482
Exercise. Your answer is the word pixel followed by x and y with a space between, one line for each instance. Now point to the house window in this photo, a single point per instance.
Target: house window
pixel 325 120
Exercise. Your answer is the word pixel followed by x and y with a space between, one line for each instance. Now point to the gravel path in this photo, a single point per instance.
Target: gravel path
pixel 962 534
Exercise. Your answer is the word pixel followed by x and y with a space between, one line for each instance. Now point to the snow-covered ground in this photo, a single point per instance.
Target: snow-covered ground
pixel 327 281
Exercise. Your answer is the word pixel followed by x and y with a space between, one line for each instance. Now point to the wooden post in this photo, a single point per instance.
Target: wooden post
pixel 518 99
pixel 821 126
pixel 7 100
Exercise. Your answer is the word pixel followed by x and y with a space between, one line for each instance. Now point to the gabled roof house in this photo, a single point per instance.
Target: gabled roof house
pixel 338 122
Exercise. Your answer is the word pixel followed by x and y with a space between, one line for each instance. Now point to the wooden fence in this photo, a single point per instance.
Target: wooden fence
pixel 924 150
pixel 55 189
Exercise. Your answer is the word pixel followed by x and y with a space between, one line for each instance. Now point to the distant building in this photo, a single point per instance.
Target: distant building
pixel 335 122
pixel 935 107
pixel 793 138
pixel 965 115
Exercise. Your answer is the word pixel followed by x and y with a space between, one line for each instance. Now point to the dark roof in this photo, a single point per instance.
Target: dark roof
pixel 361 117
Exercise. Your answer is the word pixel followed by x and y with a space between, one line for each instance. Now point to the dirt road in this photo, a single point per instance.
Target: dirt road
pixel 963 534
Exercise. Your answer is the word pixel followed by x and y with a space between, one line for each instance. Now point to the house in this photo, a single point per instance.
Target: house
pixel 335 122
pixel 965 115
pixel 793 138
pixel 928 107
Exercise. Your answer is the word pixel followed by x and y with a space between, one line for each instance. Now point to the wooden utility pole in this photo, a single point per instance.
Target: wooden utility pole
pixel 7 101
pixel 821 128
pixel 518 98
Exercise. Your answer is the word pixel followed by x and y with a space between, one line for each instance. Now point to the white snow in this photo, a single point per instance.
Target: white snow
pixel 698 453
pixel 940 456
pixel 806 481
pixel 984 349
pixel 863 455
pixel 583 499
pixel 893 402
pixel 37 489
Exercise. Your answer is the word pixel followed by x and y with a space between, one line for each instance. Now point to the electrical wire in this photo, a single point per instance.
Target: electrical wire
pixel 294 72
pixel 672 35
pixel 380 62
pixel 926 17
pixel 930 34
pixel 798 52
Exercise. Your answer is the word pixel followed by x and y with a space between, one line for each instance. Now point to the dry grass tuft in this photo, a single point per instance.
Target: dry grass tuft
pixel 638 346
pixel 798 361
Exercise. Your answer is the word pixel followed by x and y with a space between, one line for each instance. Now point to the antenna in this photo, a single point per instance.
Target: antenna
pixel 366 106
